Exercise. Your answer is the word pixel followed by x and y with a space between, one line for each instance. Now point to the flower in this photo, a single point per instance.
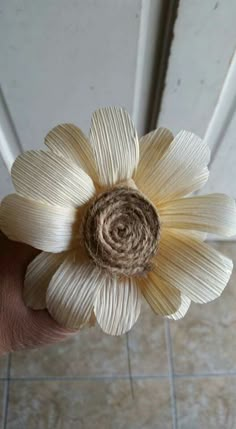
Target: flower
pixel 115 223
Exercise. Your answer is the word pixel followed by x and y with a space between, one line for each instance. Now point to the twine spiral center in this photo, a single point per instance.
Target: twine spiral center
pixel 121 231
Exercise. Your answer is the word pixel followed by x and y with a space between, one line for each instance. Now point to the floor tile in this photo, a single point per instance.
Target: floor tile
pixel 147 345
pixel 1 401
pixel 206 403
pixel 205 340
pixel 3 366
pixel 152 405
pixel 89 404
pixel 88 353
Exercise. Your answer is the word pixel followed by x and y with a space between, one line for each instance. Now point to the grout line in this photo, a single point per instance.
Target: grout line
pixel 171 375
pixel 6 392
pixel 207 374
pixel 121 377
pixel 88 378
pixel 129 366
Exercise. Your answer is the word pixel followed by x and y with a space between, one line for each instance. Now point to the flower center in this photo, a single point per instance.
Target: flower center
pixel 121 231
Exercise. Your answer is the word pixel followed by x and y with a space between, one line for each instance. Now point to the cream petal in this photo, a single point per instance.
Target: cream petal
pixel 182 169
pixel 165 300
pixel 153 147
pixel 182 310
pixel 70 142
pixel 214 213
pixel 191 186
pixel 195 184
pixel 72 291
pixel 38 224
pixel 115 145
pixel 199 235
pixel 161 297
pixel 48 177
pixel 38 276
pixel 196 269
pixel 117 305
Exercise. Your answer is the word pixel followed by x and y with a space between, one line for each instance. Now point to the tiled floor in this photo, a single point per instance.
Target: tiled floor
pixel 178 375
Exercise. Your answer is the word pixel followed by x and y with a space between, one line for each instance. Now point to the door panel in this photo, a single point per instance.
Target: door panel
pixel 61 60
pixel 202 48
pixel 6 186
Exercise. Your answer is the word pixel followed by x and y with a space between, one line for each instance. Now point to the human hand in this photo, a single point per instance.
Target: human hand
pixel 21 327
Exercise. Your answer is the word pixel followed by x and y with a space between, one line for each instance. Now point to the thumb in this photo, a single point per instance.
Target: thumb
pixel 14 252
pixel 14 259
pixel 45 330
pixel 26 327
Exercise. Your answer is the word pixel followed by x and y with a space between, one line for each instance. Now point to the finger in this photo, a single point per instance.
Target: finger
pixel 45 330
pixel 32 329
pixel 14 259
pixel 12 252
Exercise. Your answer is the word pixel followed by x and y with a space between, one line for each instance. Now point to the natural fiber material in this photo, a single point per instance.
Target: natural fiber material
pixel 107 209
pixel 121 232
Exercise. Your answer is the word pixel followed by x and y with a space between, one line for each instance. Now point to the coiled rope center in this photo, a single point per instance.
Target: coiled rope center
pixel 121 231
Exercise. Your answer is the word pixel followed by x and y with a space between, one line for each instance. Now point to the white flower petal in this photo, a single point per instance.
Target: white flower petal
pixel 194 184
pixel 199 235
pixel 193 267
pixel 72 291
pixel 161 297
pixel 182 169
pixel 38 276
pixel 70 142
pixel 182 310
pixel 153 147
pixel 117 306
pixel 214 213
pixel 38 224
pixel 115 144
pixel 48 177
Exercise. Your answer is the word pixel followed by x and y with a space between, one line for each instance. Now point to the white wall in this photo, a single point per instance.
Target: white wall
pixel 203 44
pixel 60 60
pixel 6 186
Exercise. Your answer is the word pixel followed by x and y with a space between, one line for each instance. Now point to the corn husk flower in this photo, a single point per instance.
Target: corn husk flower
pixel 115 223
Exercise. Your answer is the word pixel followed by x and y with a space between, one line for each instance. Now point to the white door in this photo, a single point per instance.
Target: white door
pixel 61 60
pixel 204 42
